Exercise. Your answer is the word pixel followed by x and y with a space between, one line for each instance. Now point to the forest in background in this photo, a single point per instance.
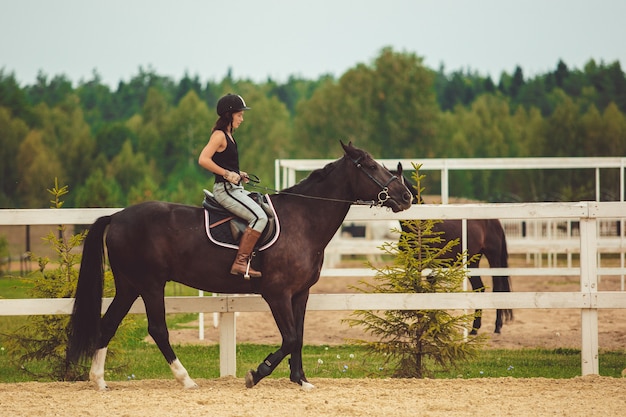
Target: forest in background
pixel 141 141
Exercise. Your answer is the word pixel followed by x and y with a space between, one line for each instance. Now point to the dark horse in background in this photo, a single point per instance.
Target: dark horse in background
pixel 151 243
pixel 485 237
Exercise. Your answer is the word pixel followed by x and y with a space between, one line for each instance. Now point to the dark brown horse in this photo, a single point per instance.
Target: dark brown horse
pixel 485 237
pixel 151 243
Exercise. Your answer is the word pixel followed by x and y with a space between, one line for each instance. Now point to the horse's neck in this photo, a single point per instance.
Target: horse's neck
pixel 323 216
pixel 322 210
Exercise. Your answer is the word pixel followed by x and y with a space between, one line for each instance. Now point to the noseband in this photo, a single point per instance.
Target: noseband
pixel 383 194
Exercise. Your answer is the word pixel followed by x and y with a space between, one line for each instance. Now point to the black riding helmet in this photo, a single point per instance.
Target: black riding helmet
pixel 231 103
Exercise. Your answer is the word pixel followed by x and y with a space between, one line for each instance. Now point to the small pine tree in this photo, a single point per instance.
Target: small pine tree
pixel 413 342
pixel 38 347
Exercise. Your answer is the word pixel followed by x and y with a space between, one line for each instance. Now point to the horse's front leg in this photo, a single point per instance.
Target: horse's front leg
pixel 477 285
pixel 295 363
pixel 265 368
pixel 280 305
pixel 283 312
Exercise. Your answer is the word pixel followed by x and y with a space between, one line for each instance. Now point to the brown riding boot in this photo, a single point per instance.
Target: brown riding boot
pixel 246 246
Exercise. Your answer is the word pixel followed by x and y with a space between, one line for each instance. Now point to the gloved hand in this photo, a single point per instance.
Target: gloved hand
pixel 232 177
pixel 244 176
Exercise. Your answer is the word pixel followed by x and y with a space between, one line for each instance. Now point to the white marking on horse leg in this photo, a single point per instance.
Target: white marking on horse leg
pixel 307 386
pixel 182 375
pixel 96 373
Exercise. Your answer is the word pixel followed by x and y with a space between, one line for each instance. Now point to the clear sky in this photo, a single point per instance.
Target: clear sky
pixel 258 39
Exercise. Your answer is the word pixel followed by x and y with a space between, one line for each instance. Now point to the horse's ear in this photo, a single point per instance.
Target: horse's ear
pixel 399 168
pixel 347 148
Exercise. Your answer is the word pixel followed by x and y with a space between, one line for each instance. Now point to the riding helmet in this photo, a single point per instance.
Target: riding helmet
pixel 231 103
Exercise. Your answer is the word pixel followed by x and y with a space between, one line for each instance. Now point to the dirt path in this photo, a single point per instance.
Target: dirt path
pixel 588 396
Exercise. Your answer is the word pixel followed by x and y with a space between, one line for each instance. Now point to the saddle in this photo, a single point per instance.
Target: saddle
pixel 226 229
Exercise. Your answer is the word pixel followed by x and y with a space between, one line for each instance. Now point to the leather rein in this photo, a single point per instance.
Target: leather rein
pixel 383 194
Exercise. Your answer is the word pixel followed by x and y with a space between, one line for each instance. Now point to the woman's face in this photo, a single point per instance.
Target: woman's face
pixel 237 119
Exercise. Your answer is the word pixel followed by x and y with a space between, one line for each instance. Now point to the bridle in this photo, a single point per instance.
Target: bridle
pixel 383 194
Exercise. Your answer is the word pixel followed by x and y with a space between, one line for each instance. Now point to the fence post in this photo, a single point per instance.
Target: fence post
pixel 589 286
pixel 228 344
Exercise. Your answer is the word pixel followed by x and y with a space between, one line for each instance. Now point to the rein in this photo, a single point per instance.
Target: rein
pixel 337 200
pixel 383 194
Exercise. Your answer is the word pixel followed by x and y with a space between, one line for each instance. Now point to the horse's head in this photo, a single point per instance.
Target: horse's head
pixel 375 182
pixel 409 184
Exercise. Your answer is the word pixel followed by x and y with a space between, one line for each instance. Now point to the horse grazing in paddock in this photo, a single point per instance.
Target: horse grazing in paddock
pixel 484 237
pixel 151 243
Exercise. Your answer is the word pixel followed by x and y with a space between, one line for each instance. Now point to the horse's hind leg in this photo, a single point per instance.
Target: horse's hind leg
pixel 157 328
pixel 501 316
pixel 502 284
pixel 96 373
pixel 118 309
pixel 498 321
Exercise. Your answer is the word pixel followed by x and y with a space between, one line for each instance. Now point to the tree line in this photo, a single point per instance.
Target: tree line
pixel 140 141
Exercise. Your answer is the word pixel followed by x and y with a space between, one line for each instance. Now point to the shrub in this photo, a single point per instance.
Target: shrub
pixel 413 341
pixel 38 347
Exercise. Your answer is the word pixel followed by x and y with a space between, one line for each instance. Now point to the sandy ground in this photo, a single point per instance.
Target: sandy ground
pixel 584 396
pixel 587 396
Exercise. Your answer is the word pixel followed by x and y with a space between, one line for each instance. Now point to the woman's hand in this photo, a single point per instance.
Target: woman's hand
pixel 232 177
pixel 244 176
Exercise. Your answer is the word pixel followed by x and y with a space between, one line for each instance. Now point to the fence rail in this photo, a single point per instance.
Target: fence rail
pixel 588 300
pixel 285 170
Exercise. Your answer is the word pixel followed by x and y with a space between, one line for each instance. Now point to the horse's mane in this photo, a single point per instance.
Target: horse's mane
pixel 315 177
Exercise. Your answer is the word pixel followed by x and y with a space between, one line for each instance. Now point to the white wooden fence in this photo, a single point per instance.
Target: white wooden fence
pixel 588 300
pixel 285 170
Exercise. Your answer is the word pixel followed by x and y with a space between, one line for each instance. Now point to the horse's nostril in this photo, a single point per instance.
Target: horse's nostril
pixel 407 197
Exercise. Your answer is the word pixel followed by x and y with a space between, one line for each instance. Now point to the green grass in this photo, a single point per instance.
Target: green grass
pixel 142 360
pixel 13 286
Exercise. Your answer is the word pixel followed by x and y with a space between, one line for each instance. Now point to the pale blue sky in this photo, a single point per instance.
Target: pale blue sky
pixel 279 38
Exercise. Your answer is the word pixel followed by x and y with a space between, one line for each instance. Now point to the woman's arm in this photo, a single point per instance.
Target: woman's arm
pixel 217 143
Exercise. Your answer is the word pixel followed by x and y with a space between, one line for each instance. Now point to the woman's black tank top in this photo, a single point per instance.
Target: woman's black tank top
pixel 228 158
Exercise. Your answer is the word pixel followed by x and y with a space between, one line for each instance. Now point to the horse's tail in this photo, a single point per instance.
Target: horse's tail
pixel 84 326
pixel 503 283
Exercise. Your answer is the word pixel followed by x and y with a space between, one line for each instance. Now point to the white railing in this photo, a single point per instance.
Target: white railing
pixel 533 247
pixel 588 300
pixel 285 170
pixel 286 174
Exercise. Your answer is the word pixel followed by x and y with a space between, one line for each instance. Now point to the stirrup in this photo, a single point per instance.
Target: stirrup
pixel 247 274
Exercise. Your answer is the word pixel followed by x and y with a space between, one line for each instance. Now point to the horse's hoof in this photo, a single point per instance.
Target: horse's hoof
pixel 100 384
pixel 193 385
pixel 250 379
pixel 307 386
